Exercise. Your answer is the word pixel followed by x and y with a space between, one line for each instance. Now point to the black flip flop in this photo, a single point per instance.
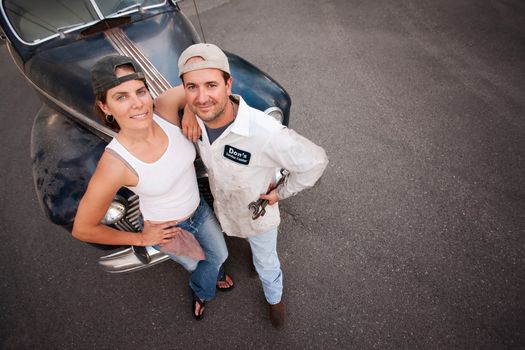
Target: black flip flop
pixel 194 302
pixel 223 279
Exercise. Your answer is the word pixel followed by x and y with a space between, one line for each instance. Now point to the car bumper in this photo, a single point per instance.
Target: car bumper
pixel 127 261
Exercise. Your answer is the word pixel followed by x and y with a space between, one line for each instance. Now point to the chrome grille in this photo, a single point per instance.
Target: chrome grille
pixel 131 222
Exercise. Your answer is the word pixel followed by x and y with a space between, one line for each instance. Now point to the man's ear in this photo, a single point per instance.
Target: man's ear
pixel 229 85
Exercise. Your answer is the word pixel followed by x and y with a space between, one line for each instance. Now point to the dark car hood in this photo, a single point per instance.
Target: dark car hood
pixel 62 72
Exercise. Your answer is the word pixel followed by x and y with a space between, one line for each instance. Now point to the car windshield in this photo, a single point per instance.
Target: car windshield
pixel 36 20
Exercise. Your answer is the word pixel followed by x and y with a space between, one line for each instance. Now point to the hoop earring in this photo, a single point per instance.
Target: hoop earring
pixel 110 119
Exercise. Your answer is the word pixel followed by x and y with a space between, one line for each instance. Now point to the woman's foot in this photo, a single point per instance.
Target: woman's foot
pixel 225 283
pixel 197 307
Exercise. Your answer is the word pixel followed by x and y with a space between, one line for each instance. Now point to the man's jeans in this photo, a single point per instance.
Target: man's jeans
pixel 266 262
pixel 204 273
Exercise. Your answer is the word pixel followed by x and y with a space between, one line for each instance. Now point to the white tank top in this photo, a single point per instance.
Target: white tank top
pixel 167 188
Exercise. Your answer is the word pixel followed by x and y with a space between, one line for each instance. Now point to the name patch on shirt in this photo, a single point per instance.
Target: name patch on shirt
pixel 237 155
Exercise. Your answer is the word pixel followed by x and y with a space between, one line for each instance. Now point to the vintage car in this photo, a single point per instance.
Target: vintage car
pixel 55 44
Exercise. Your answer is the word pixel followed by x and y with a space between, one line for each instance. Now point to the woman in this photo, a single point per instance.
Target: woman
pixel 150 156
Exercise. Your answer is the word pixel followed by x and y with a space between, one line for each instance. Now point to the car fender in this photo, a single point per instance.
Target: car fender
pixel 257 88
pixel 64 155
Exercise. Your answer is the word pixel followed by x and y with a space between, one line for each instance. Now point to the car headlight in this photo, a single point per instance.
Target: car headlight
pixel 116 211
pixel 275 112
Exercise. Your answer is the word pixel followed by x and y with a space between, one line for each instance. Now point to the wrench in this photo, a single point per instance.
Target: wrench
pixel 258 207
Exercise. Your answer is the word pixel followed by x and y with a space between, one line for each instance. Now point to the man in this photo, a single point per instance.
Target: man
pixel 242 147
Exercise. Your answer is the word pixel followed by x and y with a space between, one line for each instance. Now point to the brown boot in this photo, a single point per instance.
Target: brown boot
pixel 277 314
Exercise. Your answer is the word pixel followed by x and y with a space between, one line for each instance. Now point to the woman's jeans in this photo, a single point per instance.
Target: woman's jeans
pixel 204 273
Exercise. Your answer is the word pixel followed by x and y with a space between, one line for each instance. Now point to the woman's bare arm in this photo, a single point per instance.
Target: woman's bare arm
pixel 169 103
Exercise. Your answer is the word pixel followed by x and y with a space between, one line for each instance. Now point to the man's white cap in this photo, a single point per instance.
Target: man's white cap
pixel 212 56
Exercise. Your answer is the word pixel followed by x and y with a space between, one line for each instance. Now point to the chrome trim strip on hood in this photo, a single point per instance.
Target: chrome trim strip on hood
pixel 121 42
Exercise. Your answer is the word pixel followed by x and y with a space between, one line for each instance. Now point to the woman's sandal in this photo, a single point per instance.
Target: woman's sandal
pixel 194 302
pixel 223 279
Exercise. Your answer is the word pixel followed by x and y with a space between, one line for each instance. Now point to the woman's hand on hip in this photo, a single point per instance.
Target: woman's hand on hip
pixel 154 234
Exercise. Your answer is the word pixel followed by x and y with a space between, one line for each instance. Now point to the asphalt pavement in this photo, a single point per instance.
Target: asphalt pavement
pixel 413 239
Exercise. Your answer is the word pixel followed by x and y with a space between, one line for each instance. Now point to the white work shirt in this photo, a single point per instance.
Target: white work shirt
pixel 242 163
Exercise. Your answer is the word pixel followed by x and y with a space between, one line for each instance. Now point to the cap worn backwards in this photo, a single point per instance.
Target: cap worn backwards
pixel 103 75
pixel 212 57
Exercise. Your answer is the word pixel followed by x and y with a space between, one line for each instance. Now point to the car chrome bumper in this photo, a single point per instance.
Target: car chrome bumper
pixel 127 261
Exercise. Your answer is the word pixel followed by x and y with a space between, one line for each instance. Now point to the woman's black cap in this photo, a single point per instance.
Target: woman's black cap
pixel 103 75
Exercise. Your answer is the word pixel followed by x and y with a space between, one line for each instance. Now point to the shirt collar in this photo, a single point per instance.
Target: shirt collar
pixel 241 125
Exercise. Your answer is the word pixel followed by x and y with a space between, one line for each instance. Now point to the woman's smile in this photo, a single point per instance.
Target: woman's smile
pixel 140 116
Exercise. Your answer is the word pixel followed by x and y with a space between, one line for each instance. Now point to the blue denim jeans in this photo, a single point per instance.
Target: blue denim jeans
pixel 204 273
pixel 267 265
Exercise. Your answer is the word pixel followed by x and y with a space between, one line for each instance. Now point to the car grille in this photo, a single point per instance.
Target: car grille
pixel 132 222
